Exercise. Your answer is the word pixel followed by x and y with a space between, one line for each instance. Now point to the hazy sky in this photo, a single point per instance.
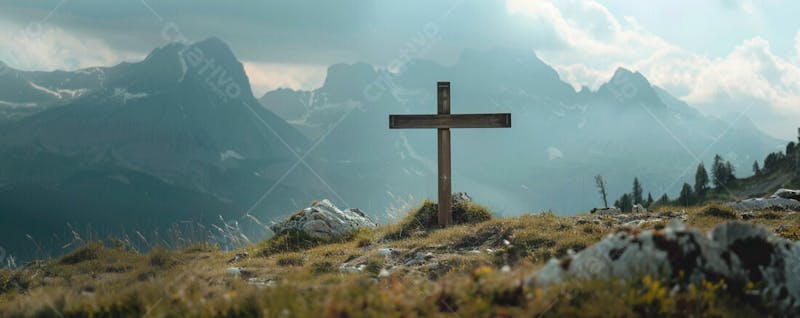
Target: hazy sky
pixel 725 57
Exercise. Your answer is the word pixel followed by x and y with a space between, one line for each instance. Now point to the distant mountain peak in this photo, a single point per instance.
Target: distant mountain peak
pixel 216 48
pixel 210 61
pixel 349 72
pixel 624 76
pixel 630 86
pixel 210 48
pixel 344 81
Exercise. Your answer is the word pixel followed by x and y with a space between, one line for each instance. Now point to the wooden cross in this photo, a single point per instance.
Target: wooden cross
pixel 443 121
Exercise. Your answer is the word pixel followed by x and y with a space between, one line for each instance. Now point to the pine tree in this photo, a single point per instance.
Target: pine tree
pixel 729 170
pixel 637 192
pixel 685 197
pixel 756 169
pixel 663 200
pixel 601 186
pixel 718 172
pixel 626 203
pixel 701 180
pixel 649 201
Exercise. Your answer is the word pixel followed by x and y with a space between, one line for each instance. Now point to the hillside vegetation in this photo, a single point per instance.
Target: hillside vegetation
pixel 477 268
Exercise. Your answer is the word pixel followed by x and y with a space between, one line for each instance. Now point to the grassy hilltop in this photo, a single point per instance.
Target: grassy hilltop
pixel 476 268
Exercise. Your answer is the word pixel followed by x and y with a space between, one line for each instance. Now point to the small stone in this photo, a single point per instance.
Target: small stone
pixel 235 271
pixel 606 211
pixel 384 273
pixel 459 197
pixel 385 251
pixel 238 257
pixel 260 283
pixel 505 269
pixel 423 256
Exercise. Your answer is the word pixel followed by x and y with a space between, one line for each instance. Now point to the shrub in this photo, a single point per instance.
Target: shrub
pixel 86 252
pixel 291 260
pixel 322 267
pixel 162 258
pixel 720 211
pixel 10 280
pixel 790 232
pixel 203 247
pixel 374 265
pixel 426 217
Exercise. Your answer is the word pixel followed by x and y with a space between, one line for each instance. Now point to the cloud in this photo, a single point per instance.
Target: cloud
pixel 751 70
pixel 269 76
pixel 797 47
pixel 597 43
pixel 745 6
pixel 45 47
pixel 554 153
pixel 590 30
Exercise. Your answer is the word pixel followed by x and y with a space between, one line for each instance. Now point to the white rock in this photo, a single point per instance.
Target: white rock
pixel 385 251
pixel 352 268
pixel 768 203
pixel 738 252
pixel 606 211
pixel 638 208
pixel 461 197
pixel 235 271
pixel 787 194
pixel 323 220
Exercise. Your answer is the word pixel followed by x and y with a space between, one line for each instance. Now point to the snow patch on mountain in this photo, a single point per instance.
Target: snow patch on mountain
pixel 184 68
pixel 126 96
pixel 17 105
pixel 230 154
pixel 45 90
pixel 72 93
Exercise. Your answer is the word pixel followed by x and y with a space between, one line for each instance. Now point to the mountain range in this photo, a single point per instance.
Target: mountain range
pixel 180 136
pixel 561 137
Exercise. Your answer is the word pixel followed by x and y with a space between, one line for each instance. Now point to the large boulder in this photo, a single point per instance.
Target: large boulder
pixel 787 194
pixel 736 252
pixel 323 220
pixel 774 203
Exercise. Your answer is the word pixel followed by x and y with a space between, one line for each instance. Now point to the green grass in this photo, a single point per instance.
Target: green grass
pixel 296 241
pixel 301 277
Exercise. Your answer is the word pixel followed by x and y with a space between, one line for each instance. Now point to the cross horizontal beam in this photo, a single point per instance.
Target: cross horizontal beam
pixel 499 120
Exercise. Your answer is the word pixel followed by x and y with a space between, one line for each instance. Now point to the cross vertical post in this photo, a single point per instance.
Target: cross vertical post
pixel 443 121
pixel 445 187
